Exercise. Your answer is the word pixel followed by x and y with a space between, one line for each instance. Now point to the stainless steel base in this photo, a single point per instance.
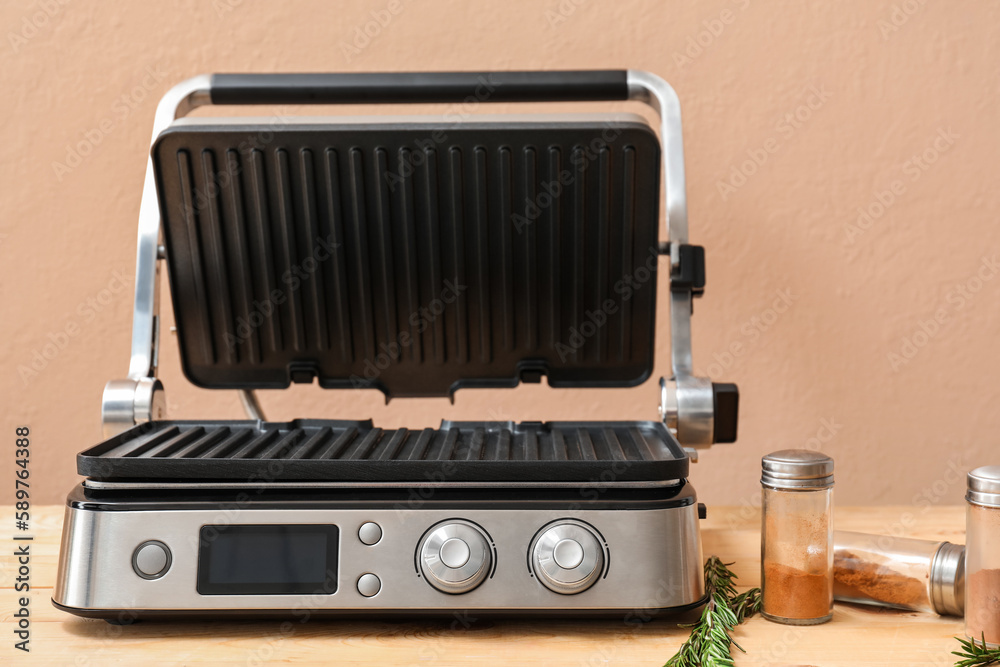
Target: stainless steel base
pixel 653 560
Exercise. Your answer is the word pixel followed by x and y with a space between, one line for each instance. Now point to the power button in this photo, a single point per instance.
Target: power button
pixel 151 559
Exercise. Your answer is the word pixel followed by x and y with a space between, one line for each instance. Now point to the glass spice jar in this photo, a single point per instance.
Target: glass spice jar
pixel 982 556
pixel 797 537
pixel 899 572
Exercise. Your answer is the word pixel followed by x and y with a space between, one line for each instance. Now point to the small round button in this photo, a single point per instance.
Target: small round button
pixel 568 554
pixel 370 533
pixel 454 553
pixel 151 559
pixel 369 585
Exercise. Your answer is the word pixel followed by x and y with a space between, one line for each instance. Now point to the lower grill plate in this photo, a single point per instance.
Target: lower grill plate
pixel 357 451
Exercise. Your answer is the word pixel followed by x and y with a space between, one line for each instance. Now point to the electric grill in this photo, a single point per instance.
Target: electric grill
pixel 415 256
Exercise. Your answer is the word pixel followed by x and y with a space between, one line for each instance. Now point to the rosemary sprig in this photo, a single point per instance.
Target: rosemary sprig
pixel 711 641
pixel 976 654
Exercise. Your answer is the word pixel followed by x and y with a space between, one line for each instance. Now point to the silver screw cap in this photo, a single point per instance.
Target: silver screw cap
pixel 797 470
pixel 984 486
pixel 947 584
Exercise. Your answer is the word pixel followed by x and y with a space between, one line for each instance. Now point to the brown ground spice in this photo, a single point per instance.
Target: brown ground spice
pixel 982 605
pixel 792 593
pixel 857 578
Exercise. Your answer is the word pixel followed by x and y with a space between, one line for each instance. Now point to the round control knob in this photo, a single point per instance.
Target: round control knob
pixel 567 557
pixel 455 556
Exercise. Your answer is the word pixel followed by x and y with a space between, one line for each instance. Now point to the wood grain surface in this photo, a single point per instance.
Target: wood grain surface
pixel 857 635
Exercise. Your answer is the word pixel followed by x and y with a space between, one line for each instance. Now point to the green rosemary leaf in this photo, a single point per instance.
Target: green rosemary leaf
pixel 710 643
pixel 976 654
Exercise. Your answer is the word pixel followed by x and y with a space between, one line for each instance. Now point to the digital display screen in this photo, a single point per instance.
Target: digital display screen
pixel 268 560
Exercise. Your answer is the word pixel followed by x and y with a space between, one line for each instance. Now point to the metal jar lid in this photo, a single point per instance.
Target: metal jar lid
pixel 947 580
pixel 797 470
pixel 984 486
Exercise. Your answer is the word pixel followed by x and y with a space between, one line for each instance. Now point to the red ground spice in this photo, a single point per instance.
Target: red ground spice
pixel 982 605
pixel 856 578
pixel 792 593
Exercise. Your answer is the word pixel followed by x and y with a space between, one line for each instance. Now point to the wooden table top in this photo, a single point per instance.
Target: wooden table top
pixel 857 635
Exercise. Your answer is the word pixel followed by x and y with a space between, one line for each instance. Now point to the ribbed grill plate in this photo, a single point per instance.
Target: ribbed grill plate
pixel 324 450
pixel 412 258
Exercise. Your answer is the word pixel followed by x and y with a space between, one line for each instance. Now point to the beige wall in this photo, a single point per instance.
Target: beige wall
pixel 887 82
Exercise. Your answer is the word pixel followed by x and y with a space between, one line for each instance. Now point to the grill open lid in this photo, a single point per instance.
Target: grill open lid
pixel 291 175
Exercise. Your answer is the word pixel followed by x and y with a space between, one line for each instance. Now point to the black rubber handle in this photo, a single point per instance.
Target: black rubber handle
pixel 726 400
pixel 425 87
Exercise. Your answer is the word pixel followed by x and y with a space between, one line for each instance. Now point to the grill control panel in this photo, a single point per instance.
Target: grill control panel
pixel 387 558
